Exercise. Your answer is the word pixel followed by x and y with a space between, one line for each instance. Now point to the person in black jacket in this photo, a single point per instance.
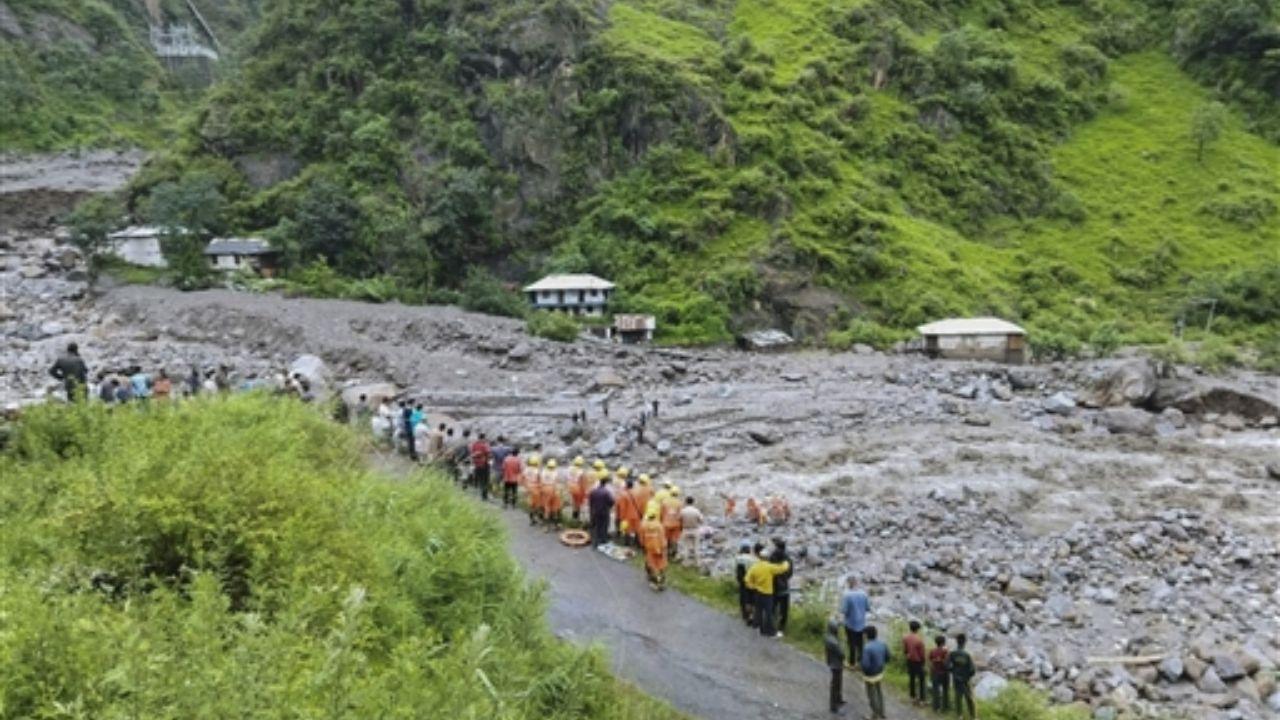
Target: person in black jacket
pixel 74 374
pixel 960 664
pixel 835 663
pixel 600 502
pixel 782 586
pixel 746 601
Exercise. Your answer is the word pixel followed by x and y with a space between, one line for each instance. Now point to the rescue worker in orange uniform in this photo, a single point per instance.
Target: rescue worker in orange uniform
pixel 643 493
pixel 552 501
pixel 670 515
pixel 653 538
pixel 628 512
pixel 617 487
pixel 533 486
pixel 754 513
pixel 579 485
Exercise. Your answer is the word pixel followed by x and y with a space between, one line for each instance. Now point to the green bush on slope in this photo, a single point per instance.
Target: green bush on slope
pixel 234 559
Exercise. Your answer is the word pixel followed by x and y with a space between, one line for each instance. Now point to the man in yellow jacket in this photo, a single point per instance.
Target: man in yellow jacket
pixel 759 580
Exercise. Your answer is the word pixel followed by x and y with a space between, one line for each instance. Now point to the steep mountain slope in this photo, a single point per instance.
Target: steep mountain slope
pixel 859 164
pixel 82 73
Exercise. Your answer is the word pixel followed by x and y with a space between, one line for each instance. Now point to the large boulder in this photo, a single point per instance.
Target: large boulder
pixel 1127 421
pixel 1060 403
pixel 988 686
pixel 1132 383
pixel 764 340
pixel 314 371
pixel 1195 397
pixel 607 379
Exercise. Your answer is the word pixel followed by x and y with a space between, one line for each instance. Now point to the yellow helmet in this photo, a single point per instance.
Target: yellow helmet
pixel 602 474
pixel 598 464
pixel 675 491
pixel 624 473
pixel 644 479
pixel 650 514
pixel 535 459
pixel 667 484
pixel 579 461
pixel 551 464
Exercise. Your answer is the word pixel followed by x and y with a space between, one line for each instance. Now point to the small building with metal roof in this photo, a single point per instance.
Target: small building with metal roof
pixel 231 254
pixel 138 245
pixel 985 338
pixel 575 294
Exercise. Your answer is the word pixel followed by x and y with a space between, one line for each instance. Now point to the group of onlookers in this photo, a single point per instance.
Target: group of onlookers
pixel 868 654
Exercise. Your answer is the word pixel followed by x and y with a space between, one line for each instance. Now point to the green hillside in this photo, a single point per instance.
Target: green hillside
pixel 82 73
pixel 843 170
pixel 262 572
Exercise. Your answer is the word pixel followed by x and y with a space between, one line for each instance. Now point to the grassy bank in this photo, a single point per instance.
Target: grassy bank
pixel 807 625
pixel 235 558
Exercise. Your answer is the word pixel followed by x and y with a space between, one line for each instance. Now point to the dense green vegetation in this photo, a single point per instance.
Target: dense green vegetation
pixel 1096 170
pixel 233 558
pixel 82 73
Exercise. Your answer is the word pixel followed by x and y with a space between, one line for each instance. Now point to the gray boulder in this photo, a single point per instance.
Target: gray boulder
pixel 1203 396
pixel 764 340
pixel 1127 421
pixel 1020 588
pixel 1228 667
pixel 1060 403
pixel 607 378
pixel 1211 683
pixel 1171 668
pixel 1132 383
pixel 988 686
pixel 313 369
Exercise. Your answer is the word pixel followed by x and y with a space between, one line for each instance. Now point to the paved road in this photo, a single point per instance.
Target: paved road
pixel 702 661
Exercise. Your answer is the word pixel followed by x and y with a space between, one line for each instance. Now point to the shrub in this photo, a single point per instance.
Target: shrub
pixel 260 572
pixel 1216 354
pixel 1105 339
pixel 552 326
pixel 482 292
pixel 865 332
pixel 1054 345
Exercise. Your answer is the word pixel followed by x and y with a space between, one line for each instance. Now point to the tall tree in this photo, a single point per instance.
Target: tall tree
pixel 189 212
pixel 91 222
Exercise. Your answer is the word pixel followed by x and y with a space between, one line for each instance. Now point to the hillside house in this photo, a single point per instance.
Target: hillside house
pixel 232 254
pixel 138 245
pixel 574 294
pixel 975 339
pixel 633 329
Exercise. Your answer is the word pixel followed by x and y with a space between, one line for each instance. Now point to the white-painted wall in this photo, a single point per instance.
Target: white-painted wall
pixel 144 251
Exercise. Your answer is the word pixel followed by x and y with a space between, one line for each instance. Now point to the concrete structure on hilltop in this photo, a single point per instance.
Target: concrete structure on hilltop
pixel 232 254
pixel 138 245
pixel 575 294
pixel 975 339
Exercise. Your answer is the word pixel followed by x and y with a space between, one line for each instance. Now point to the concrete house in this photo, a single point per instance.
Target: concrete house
pixel 975 339
pixel 232 254
pixel 138 245
pixel 575 294
pixel 633 329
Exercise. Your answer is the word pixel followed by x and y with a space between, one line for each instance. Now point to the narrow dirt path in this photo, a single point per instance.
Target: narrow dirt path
pixel 702 661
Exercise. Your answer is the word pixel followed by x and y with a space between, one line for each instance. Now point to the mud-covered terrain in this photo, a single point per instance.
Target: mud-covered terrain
pixel 1106 530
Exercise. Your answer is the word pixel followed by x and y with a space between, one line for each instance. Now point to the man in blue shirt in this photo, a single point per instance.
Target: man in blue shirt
pixel 854 606
pixel 875 658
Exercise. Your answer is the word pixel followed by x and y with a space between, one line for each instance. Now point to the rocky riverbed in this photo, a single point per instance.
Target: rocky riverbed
pixel 1105 530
